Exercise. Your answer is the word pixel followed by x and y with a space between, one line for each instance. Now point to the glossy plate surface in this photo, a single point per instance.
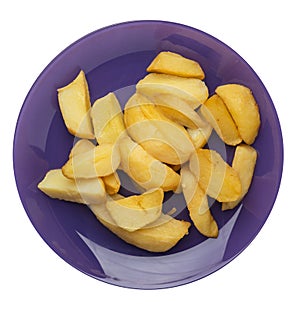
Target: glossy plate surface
pixel 114 59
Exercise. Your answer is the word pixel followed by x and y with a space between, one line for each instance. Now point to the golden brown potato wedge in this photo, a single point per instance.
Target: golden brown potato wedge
pixel 112 183
pixel 136 211
pixel 218 179
pixel 179 110
pixel 160 236
pixel 81 146
pixel 180 117
pixel 144 132
pixel 57 186
pixel 216 113
pixel 161 220
pixel 200 136
pixel 243 109
pixel 244 162
pixel 74 103
pixel 164 139
pixel 100 161
pixel 144 169
pixel 175 64
pixel 107 118
pixel 192 91
pixel 197 204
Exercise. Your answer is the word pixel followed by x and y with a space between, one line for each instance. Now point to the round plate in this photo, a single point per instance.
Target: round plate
pixel 114 59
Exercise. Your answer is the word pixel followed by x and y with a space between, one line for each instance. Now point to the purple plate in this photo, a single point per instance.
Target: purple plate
pixel 114 59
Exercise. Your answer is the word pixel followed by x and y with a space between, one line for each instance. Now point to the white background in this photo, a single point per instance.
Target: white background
pixel 266 275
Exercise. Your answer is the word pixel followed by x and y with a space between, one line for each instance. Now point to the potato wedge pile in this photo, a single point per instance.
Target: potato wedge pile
pixel 159 141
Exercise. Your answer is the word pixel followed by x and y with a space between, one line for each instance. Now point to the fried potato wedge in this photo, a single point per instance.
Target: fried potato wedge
pixel 100 161
pixel 87 191
pixel 162 138
pixel 144 132
pixel 81 146
pixel 218 179
pixel 174 134
pixel 175 64
pixel 178 110
pixel 197 204
pixel 74 103
pixel 200 136
pixel 216 113
pixel 112 182
pixel 136 211
pixel 159 236
pixel 244 162
pixel 243 109
pixel 192 91
pixel 144 169
pixel 107 118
